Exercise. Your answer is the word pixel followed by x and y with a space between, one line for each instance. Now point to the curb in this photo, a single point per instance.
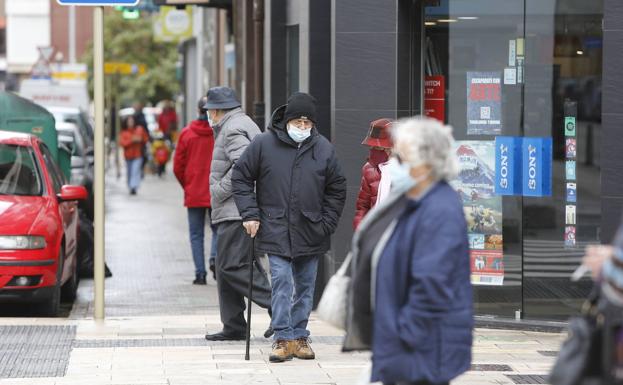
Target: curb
pixel 523 325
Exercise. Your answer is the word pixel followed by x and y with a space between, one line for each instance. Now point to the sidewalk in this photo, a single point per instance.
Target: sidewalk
pixel 156 321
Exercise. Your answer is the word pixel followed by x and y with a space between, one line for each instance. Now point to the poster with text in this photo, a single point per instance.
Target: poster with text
pixel 483 209
pixel 487 267
pixel 484 103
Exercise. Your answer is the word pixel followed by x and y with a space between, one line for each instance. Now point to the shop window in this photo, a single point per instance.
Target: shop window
pixel 525 69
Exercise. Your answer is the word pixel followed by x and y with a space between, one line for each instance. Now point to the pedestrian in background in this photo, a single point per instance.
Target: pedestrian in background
pixel 290 192
pixel 234 131
pixel 191 166
pixel 372 191
pixel 133 138
pixel 167 120
pixel 140 120
pixel 411 254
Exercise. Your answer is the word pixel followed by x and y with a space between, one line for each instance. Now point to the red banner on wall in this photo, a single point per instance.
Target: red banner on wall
pixel 435 97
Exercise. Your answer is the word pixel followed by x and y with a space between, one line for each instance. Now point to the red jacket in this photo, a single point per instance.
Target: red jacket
pixel 370 179
pixel 167 121
pixel 192 161
pixel 133 141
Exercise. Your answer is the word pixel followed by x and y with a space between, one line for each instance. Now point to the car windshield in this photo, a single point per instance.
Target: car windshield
pixel 18 171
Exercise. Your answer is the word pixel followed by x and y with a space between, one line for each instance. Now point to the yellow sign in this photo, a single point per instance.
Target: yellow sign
pixel 111 68
pixel 173 25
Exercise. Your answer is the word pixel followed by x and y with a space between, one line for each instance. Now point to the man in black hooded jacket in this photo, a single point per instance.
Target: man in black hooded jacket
pixel 290 191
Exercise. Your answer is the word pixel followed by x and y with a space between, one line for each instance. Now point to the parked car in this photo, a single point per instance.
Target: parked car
pixel 81 169
pixel 81 119
pixel 38 225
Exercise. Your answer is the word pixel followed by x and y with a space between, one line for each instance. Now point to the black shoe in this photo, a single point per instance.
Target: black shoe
pixel 200 279
pixel 269 332
pixel 133 191
pixel 220 336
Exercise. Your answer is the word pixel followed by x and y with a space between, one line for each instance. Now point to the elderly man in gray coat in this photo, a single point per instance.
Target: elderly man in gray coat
pixel 234 131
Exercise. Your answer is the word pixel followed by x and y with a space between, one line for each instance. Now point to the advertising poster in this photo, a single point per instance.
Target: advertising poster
pixel 572 192
pixel 487 267
pixel 434 97
pixel 483 210
pixel 570 236
pixel 484 103
pixel 570 215
pixel 571 148
pixel 570 169
pixel 570 126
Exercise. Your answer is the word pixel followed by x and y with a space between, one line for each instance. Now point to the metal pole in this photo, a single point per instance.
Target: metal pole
pixel 98 185
pixel 72 34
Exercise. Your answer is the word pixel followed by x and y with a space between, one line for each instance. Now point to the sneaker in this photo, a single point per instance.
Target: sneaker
pixel 200 279
pixel 133 191
pixel 280 352
pixel 301 349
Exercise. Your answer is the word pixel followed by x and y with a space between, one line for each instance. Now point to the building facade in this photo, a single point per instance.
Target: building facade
pixel 529 72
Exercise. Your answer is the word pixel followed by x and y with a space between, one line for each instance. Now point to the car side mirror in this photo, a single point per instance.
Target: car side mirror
pixel 72 193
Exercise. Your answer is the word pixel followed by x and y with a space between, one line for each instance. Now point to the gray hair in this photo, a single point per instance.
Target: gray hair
pixel 427 141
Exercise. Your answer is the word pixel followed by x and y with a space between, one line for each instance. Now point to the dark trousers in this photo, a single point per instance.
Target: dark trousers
pixel 232 277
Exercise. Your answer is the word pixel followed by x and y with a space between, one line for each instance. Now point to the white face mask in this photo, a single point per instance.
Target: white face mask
pixel 298 135
pixel 210 120
pixel 400 176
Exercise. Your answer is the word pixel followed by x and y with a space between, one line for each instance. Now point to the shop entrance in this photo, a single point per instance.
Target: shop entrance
pixel 529 70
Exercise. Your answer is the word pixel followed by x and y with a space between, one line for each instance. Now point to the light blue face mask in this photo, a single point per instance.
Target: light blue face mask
pixel 400 176
pixel 297 134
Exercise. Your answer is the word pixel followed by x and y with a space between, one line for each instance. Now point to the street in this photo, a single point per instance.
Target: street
pixel 156 320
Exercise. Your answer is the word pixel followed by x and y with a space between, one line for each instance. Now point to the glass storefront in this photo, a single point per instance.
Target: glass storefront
pixel 528 71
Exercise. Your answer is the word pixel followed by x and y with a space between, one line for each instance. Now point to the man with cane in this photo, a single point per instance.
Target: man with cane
pixel 290 192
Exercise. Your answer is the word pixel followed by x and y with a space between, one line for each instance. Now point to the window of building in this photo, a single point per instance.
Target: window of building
pixel 526 69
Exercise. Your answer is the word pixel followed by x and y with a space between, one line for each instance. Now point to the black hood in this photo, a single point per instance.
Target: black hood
pixel 278 126
pixel 277 122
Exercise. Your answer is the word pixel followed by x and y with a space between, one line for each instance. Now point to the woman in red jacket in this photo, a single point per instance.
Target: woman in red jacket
pixel 191 166
pixel 379 141
pixel 133 138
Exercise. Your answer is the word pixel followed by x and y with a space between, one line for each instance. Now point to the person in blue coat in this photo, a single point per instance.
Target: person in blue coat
pixel 411 254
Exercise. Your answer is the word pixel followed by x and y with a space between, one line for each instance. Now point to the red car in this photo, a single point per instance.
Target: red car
pixel 38 225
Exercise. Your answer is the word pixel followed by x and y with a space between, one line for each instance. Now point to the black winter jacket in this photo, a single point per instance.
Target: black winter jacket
pixel 297 192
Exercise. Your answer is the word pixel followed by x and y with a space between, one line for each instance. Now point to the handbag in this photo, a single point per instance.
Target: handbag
pixel 334 301
pixel 580 359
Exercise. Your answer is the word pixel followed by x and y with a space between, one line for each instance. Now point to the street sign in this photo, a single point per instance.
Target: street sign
pixel 41 69
pixel 111 68
pixel 98 2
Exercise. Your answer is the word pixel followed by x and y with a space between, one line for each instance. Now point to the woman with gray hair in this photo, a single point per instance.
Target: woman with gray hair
pixel 411 255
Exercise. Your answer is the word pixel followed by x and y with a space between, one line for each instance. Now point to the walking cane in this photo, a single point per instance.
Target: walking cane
pixel 251 260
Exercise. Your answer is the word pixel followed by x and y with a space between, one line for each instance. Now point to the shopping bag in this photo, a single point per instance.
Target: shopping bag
pixel 334 301
pixel 579 360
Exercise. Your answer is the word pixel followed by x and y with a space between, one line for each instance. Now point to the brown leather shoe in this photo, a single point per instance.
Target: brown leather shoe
pixel 301 349
pixel 281 351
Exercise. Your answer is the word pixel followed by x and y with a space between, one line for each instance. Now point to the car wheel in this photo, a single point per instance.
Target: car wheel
pixel 70 288
pixel 52 305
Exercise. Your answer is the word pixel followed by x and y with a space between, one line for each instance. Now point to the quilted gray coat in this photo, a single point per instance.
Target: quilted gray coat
pixel 233 134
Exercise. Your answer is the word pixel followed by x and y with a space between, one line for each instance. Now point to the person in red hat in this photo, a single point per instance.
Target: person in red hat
pixel 373 188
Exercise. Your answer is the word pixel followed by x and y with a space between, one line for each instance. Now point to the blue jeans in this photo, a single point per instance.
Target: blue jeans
pixel 293 283
pixel 196 226
pixel 134 172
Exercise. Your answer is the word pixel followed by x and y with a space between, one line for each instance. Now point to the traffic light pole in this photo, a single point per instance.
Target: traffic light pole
pixel 98 185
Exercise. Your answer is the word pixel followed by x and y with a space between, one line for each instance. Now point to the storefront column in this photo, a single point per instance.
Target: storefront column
pixel 612 120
